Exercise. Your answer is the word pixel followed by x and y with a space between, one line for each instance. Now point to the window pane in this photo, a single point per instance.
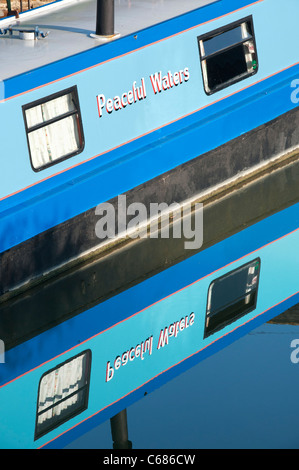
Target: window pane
pixel 54 141
pixel 228 56
pixel 226 39
pixel 63 393
pixel 232 296
pixel 226 66
pixel 49 110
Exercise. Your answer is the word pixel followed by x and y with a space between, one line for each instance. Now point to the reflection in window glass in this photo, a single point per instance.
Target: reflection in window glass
pixel 227 56
pixel 232 296
pixel 228 38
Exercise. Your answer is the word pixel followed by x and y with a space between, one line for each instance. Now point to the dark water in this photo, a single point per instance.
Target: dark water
pixel 245 396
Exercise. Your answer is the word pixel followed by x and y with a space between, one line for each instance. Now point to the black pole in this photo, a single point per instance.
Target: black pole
pixel 8 6
pixel 105 18
pixel 119 431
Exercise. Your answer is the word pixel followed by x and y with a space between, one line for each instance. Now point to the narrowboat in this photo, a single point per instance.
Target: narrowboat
pixel 110 110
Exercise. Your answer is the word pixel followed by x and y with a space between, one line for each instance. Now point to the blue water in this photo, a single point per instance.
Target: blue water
pixel 245 396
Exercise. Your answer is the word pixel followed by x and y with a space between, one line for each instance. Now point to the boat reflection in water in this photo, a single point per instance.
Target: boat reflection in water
pixel 245 396
pixel 89 369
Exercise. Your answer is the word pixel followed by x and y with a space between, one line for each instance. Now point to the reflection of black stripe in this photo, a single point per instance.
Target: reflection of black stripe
pixel 77 235
pixel 83 287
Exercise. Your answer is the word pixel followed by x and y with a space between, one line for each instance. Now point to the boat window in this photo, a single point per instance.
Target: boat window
pixel 54 128
pixel 231 296
pixel 228 55
pixel 63 393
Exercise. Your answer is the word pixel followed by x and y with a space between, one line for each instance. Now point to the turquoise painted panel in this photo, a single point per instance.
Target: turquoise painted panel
pixel 123 74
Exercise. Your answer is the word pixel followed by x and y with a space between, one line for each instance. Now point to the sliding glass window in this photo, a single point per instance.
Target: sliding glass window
pixel 231 296
pixel 54 128
pixel 228 55
pixel 63 393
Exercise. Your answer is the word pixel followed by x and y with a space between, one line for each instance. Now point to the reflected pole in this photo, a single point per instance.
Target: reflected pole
pixel 119 431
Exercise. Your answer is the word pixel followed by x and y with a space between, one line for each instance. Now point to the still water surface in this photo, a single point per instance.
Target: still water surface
pixel 245 396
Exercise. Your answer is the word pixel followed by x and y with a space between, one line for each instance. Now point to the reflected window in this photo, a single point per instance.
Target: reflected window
pixel 63 393
pixel 54 128
pixel 228 55
pixel 231 296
